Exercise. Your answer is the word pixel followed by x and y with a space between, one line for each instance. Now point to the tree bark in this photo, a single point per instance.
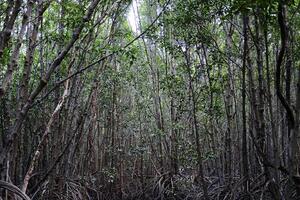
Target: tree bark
pixel 245 163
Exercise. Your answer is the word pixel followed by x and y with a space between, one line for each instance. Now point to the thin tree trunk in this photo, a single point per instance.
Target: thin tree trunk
pixel 245 163
pixel 39 148
pixel 195 127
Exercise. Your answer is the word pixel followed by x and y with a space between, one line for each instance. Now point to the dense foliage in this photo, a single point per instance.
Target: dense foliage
pixel 201 101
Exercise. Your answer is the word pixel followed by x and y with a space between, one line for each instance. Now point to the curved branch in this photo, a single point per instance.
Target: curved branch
pixel 14 189
pixel 283 33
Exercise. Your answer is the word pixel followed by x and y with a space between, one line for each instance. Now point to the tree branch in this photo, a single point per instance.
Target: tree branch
pixel 283 33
